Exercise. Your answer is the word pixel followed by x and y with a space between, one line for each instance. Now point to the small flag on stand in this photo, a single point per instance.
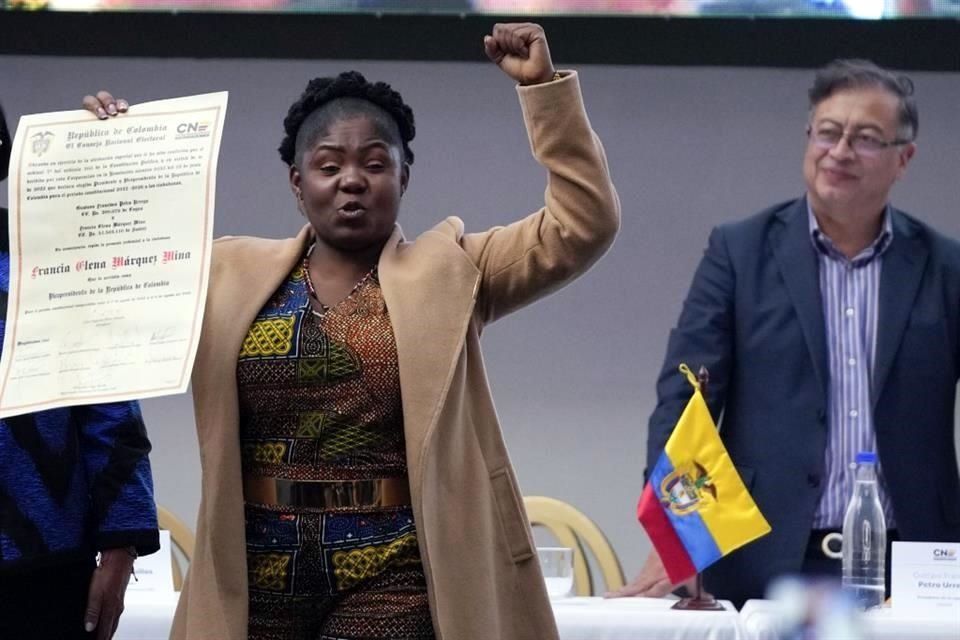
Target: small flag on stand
pixel 695 507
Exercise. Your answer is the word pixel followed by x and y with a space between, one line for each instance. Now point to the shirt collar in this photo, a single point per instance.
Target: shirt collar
pixel 825 246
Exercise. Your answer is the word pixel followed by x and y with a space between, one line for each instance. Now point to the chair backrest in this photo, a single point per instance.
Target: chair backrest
pixel 572 528
pixel 182 539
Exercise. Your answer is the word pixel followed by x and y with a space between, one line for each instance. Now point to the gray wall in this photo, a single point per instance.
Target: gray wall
pixel 573 375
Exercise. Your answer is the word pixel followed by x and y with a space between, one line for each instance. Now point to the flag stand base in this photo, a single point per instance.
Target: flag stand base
pixel 700 601
pixel 698 604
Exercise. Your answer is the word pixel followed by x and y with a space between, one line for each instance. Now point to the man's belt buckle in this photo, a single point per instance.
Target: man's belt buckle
pixel 828 550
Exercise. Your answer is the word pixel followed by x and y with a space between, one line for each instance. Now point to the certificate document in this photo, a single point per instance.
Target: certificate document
pixel 111 225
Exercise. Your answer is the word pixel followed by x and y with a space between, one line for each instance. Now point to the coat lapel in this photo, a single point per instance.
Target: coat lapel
pixel 900 277
pixel 797 261
pixel 247 281
pixel 430 289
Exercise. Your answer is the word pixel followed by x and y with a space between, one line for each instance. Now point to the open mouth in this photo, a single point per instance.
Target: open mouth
pixel 352 210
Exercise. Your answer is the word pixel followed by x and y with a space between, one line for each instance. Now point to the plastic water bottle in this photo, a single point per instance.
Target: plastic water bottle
pixel 865 537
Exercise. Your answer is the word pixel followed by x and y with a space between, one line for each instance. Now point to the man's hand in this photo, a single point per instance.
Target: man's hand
pixel 520 50
pixel 652 581
pixel 107 587
pixel 103 105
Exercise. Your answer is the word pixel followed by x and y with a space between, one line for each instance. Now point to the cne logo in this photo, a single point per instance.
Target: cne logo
pixel 944 554
pixel 193 130
pixel 40 142
pixel 687 489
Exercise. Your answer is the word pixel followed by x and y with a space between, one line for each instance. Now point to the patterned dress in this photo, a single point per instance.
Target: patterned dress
pixel 320 401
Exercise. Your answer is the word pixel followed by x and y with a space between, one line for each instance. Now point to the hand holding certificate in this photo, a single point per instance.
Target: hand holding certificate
pixel 111 226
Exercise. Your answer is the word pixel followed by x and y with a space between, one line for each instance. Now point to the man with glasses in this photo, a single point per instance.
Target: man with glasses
pixel 829 325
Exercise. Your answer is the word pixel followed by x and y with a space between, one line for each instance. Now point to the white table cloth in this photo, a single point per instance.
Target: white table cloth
pixel 760 622
pixel 642 619
pixel 147 615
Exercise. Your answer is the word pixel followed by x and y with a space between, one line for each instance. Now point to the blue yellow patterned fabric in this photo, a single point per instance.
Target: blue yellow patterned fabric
pixel 320 401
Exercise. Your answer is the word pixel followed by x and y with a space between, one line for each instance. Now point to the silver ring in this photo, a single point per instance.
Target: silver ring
pixel 825 545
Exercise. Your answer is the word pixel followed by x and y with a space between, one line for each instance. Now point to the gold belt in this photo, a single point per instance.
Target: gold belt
pixel 324 494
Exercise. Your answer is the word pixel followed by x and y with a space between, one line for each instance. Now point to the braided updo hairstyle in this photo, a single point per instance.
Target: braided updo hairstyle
pixel 327 100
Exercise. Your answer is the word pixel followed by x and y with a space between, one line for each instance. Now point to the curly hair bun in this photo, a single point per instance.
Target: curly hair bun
pixel 349 84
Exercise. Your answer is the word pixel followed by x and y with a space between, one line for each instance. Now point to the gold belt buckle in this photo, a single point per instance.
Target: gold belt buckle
pixel 325 494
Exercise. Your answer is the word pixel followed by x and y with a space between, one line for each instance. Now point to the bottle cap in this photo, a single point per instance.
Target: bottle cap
pixel 866 456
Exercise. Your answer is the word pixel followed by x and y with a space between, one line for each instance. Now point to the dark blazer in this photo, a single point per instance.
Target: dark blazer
pixel 754 318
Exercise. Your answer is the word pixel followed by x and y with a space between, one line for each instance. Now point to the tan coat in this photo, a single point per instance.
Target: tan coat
pixel 482 575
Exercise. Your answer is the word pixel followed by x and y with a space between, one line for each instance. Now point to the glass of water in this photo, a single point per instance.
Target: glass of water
pixel 557 566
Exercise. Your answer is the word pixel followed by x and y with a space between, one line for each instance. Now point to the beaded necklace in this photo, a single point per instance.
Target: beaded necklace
pixel 324 309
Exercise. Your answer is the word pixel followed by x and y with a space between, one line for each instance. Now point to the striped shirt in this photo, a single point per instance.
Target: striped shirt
pixel 850 290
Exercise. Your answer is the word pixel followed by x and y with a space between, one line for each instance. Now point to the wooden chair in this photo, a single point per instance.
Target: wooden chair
pixel 572 528
pixel 182 540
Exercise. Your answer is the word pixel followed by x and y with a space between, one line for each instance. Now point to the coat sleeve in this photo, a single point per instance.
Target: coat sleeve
pixel 114 448
pixel 704 335
pixel 534 256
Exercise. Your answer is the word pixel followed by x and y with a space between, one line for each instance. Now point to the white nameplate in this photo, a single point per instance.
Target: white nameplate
pixel 926 576
pixel 155 571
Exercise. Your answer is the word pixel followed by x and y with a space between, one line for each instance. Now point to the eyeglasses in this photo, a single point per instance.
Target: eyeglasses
pixel 863 144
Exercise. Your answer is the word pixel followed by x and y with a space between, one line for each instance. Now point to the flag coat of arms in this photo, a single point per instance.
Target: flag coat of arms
pixel 695 507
